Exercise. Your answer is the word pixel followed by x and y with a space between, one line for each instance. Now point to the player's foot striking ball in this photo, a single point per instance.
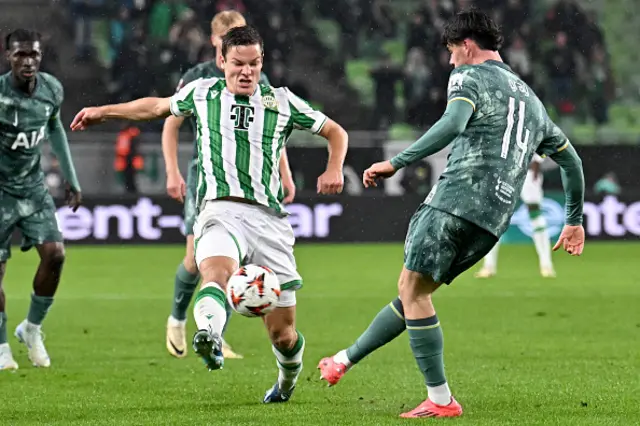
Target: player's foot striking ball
pixel 30 114
pixel 241 214
pixel 495 124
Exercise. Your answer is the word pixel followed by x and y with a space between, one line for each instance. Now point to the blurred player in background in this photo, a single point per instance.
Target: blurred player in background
pixel 496 123
pixel 29 114
pixel 242 129
pixel 531 196
pixel 187 275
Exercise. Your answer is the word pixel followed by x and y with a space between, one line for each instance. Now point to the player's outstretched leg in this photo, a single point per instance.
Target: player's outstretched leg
pixel 388 324
pixel 288 347
pixel 45 285
pixel 6 357
pixel 185 283
pixel 490 265
pixel 541 240
pixel 427 344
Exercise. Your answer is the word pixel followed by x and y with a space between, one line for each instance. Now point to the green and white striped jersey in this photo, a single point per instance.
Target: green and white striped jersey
pixel 240 138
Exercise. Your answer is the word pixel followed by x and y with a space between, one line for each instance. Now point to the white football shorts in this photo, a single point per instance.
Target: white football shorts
pixel 532 189
pixel 249 234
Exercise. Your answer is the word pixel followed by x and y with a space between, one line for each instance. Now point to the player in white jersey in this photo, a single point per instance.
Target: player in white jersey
pixel 242 127
pixel 532 196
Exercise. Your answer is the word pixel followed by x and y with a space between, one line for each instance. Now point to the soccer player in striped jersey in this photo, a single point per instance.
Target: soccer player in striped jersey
pixel 242 129
pixel 187 275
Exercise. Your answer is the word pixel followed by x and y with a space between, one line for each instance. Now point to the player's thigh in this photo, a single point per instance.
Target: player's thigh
pixel 532 189
pixel 219 240
pixel 189 211
pixel 478 243
pixel 274 242
pixel 431 244
pixel 41 226
pixel 10 217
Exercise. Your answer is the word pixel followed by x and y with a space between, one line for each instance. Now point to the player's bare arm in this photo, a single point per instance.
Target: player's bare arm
pixel 176 187
pixel 288 185
pixel 442 133
pixel 572 237
pixel 143 109
pixel 332 180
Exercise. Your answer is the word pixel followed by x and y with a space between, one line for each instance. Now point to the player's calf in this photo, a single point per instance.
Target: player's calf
pixel 288 347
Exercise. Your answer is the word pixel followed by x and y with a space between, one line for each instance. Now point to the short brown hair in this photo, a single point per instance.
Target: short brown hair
pixel 224 21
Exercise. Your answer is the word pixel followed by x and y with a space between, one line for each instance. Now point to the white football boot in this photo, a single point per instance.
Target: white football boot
pixel 177 337
pixel 33 338
pixel 6 358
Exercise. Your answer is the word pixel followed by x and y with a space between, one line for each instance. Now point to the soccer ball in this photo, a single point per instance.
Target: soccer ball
pixel 253 291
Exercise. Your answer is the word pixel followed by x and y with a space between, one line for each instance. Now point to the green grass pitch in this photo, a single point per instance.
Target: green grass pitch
pixel 519 350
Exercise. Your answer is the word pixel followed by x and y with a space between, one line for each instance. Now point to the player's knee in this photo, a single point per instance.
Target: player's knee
pixel 217 269
pixel 54 257
pixel 283 337
pixel 189 263
pixel 413 286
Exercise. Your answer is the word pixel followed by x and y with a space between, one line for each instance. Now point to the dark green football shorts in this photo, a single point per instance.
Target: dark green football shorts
pixel 34 217
pixel 442 245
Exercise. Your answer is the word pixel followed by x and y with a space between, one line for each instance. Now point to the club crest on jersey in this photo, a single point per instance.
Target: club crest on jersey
pixel 455 82
pixel 270 102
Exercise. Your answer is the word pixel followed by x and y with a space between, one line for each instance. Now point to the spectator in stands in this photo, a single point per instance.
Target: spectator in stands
pixel 416 87
pixel 121 28
pixel 515 21
pixel 418 34
pixel 187 36
pixel 519 59
pixel 561 68
pixel 385 75
pixel 600 85
pixel 128 162
pixel 438 88
pixel 162 16
pixel 237 5
pixel 383 15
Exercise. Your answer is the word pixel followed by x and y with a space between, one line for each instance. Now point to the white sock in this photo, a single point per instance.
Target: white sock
pixel 173 322
pixel 541 241
pixel 342 358
pixel 440 395
pixel 208 310
pixel 290 364
pixel 491 259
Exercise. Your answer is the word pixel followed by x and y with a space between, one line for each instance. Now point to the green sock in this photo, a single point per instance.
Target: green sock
pixel 427 343
pixel 38 309
pixel 289 363
pixel 183 288
pixel 386 326
pixel 3 328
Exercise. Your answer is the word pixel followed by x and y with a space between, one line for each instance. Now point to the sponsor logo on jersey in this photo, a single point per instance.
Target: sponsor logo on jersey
pixel 22 139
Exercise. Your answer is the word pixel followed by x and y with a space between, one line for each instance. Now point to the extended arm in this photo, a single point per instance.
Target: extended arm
pixel 338 144
pixel 60 147
pixel 451 124
pixel 573 183
pixel 138 110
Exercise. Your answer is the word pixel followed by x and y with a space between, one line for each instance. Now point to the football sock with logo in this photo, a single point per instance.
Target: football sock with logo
pixel 3 328
pixel 388 324
pixel 491 259
pixel 38 308
pixel 427 344
pixel 184 286
pixel 289 363
pixel 541 238
pixel 209 308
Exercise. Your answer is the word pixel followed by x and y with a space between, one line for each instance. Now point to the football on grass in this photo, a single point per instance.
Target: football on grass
pixel 253 291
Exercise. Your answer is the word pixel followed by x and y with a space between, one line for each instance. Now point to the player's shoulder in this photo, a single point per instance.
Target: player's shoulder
pixel 53 86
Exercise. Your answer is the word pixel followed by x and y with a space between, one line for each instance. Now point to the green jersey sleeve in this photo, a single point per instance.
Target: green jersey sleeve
pixel 554 140
pixel 303 115
pixel 463 86
pixel 182 102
